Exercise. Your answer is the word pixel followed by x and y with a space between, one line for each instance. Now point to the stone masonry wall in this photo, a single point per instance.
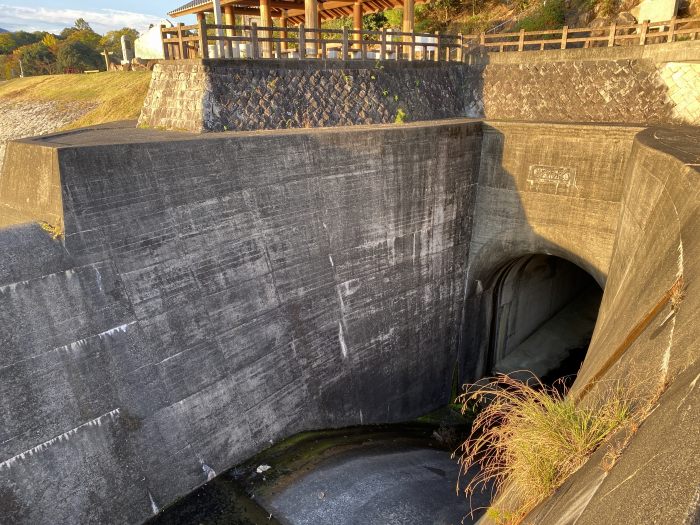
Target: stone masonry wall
pixel 634 85
pixel 220 95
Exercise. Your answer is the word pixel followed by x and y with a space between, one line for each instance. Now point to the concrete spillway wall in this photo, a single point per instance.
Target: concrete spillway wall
pixel 209 298
pixel 213 293
pixel 635 85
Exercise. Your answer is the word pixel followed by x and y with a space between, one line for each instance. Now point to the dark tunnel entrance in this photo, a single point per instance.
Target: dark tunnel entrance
pixel 544 312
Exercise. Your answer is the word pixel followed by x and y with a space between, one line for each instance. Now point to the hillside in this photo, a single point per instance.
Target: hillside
pixel 39 105
pixel 3 30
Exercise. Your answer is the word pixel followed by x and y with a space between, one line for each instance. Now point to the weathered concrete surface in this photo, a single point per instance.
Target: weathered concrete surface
pixel 210 297
pixel 553 189
pixel 651 84
pixel 656 478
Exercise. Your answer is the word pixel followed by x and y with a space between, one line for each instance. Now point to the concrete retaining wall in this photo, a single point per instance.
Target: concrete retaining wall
pixel 652 84
pixel 656 478
pixel 210 298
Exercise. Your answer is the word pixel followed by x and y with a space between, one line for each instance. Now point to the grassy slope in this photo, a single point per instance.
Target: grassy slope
pixel 119 95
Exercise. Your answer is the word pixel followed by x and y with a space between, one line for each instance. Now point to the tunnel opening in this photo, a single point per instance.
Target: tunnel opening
pixel 543 313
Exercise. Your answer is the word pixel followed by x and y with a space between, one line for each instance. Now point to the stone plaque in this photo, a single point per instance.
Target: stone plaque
pixel 551 179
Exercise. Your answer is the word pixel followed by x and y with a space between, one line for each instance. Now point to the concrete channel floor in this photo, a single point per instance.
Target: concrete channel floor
pixel 406 486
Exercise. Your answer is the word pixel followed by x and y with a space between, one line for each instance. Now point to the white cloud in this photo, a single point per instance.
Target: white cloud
pixel 15 18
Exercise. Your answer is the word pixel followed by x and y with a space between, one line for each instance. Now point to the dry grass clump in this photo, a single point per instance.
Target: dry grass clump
pixel 529 438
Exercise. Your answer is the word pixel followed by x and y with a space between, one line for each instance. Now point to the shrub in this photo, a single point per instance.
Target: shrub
pixel 528 438
pixel 551 15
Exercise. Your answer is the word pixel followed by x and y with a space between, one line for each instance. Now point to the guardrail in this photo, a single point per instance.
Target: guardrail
pixel 250 41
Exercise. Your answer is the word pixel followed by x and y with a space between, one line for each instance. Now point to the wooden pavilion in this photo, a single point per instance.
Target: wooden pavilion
pixel 294 12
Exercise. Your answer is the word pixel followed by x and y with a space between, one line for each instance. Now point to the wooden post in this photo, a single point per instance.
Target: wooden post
pixel 284 22
pixel 436 58
pixel 357 20
pixel 302 41
pixel 163 39
pixel 482 39
pixel 344 55
pixel 180 43
pixel 643 34
pixel 412 48
pixel 408 16
pixel 311 22
pixel 218 19
pixel 521 40
pixel 460 49
pixel 382 51
pixel 254 40
pixel 671 30
pixel 266 21
pixel 613 32
pixel 408 25
pixel 564 36
pixel 203 40
pixel 229 20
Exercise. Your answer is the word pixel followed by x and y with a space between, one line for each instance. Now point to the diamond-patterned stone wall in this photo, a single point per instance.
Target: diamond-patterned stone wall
pixel 682 80
pixel 250 95
pixel 601 86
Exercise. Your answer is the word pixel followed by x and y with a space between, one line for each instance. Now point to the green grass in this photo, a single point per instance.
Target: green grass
pixel 529 438
pixel 115 95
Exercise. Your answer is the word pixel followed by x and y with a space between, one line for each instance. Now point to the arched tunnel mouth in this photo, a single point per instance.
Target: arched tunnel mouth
pixel 543 313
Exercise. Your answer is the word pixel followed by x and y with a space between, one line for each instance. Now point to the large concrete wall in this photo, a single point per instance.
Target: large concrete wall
pixel 650 84
pixel 215 294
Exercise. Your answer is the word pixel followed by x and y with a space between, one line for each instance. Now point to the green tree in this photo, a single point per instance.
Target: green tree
pixel 37 59
pixel 77 56
pixel 81 32
pixel 7 43
pixel 112 41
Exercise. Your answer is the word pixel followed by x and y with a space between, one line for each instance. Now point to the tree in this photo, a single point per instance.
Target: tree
pixel 77 56
pixel 37 59
pixel 7 43
pixel 82 25
pixel 81 32
pixel 112 41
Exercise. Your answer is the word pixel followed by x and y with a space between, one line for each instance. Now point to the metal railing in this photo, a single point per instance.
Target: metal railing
pixel 250 41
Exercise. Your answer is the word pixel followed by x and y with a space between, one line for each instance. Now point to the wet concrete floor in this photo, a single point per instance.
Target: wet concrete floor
pixel 408 485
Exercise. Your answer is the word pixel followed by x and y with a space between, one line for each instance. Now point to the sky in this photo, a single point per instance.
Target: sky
pixel 103 16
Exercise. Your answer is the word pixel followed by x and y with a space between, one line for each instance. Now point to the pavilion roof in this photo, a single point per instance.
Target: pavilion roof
pixel 328 9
